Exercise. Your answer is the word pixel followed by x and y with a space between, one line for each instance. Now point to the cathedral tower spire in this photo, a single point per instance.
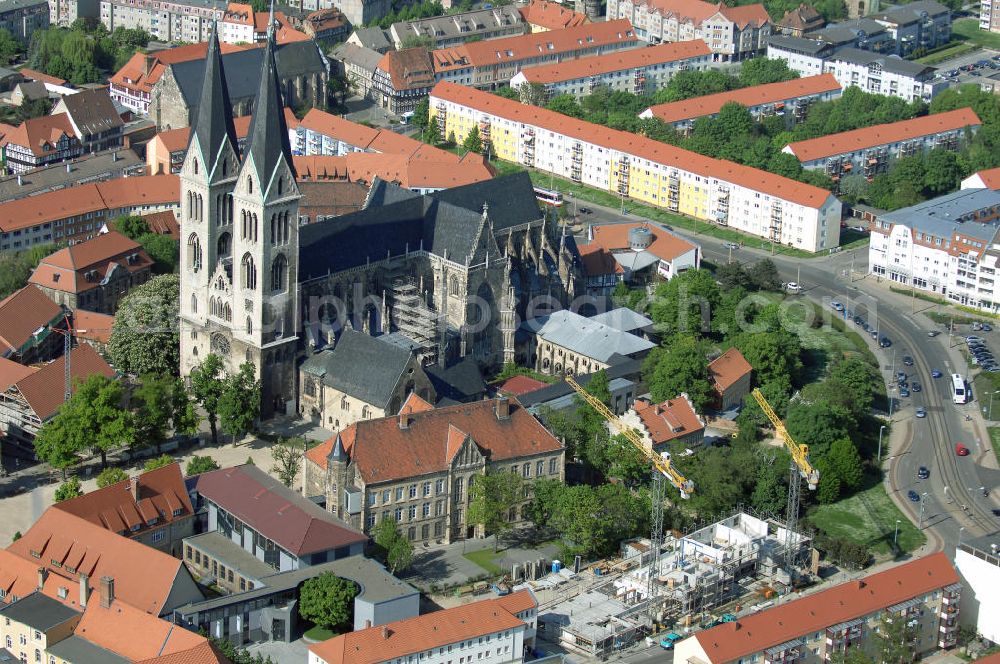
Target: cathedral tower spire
pixel 212 128
pixel 267 141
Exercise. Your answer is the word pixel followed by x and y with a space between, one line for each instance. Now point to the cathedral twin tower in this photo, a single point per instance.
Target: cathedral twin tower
pixel 239 237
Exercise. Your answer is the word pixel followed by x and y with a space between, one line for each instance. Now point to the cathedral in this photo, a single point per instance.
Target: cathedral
pixel 447 275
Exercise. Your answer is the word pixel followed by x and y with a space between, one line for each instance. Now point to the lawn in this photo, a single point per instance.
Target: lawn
pixel 852 239
pixel 486 558
pixel 967 29
pixel 951 51
pixel 868 518
pixel 995 439
pixel 317 633
pixel 984 383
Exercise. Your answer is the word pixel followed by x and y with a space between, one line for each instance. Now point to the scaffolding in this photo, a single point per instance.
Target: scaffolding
pixel 412 317
pixel 484 133
pixel 441 117
pixel 623 175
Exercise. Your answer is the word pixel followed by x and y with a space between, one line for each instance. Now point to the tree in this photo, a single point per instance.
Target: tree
pixel 432 133
pixel 151 402
pixel 164 250
pixel 287 455
pixel 10 48
pixel 544 494
pixel 56 445
pixel 146 337
pixel 400 555
pixel 184 417
pixel 943 172
pixel 239 404
pixel 565 104
pixel 396 549
pixel 532 93
pixel 626 462
pixel 845 461
pixel 731 275
pixel 16 267
pixel 111 475
pixel 764 275
pixel 680 366
pixel 492 498
pixel 815 424
pixel 71 488
pixel 158 462
pixel 685 303
pixel 208 386
pixel 858 379
pixel 131 226
pixel 472 142
pixel 760 71
pixel 775 356
pixel 327 600
pixel 769 491
pixel 421 112
pixel 93 418
pixel 200 464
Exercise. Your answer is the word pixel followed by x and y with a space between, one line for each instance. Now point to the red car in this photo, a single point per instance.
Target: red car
pixel 961 450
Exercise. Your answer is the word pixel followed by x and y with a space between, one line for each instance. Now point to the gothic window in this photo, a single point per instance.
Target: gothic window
pixel 227 313
pixel 225 245
pixel 366 412
pixel 281 186
pixel 279 271
pixel 453 286
pixel 194 303
pixel 249 185
pixel 343 403
pixel 194 252
pixel 229 208
pixel 220 345
pixel 198 207
pixel 195 164
pixel 253 227
pixel 249 325
pixel 211 305
pixel 244 222
pixel 220 284
pixel 274 228
pixel 220 213
pixel 248 272
pixel 284 228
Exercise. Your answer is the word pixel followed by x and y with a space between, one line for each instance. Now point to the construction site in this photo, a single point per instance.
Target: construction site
pixel 735 564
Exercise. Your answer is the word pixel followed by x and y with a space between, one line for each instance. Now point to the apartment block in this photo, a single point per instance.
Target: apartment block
pixel 790 99
pixel 490 631
pixel 989 15
pixel 77 213
pixel 486 64
pixel 733 33
pixel 870 150
pixel 169 21
pixel 945 245
pixel 638 71
pixel 457 29
pixel 925 594
pixel 924 24
pixel 978 562
pixel 22 17
pixel 631 166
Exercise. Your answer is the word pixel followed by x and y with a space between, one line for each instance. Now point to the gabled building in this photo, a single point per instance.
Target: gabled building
pixel 95 274
pixel 90 168
pixel 27 321
pixel 987 179
pixel 402 79
pixel 37 142
pixel 326 25
pixel 417 467
pixel 565 342
pixel 424 171
pixel 361 378
pixel 357 64
pixel 800 21
pixel 94 118
pixel 636 254
pixel 544 15
pixel 256 526
pixel 152 508
pixel 374 38
pixel 667 425
pixel 924 24
pixel 732 378
pixel 456 29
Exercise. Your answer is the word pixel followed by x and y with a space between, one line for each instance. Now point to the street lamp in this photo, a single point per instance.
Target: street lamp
pixel 960 535
pixel 880 430
pixel 895 535
pixel 923 497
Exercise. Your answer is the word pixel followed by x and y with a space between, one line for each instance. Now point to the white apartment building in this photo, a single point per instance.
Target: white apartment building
pixel 802 55
pixel 946 246
pixel 815 629
pixel 978 562
pixel 746 199
pixel 490 631
pixel 639 71
pixel 989 15
pixel 869 151
pixel 733 33
pixel 166 20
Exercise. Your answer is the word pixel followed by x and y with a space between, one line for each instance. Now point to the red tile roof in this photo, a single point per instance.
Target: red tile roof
pixel 116 508
pixel 669 419
pixel 12 372
pixel 633 144
pixel 92 326
pixel 494 52
pixel 883 134
pixel 45 389
pixel 41 77
pixel 93 197
pixel 616 61
pixel 409 69
pixel 413 171
pixel 277 513
pixel 22 313
pixel 382 451
pixel 551 15
pixel 421 633
pixel 414 404
pixel 143 70
pixel 143 576
pixel 164 223
pixel 133 633
pixel 340 128
pixel 990 178
pixel 848 601
pixel 728 368
pixel 614 237
pixel 66 270
pixel 203 653
pixel 707 105
pixel 519 385
pixel 745 15
pixel 41 135
pixel 597 260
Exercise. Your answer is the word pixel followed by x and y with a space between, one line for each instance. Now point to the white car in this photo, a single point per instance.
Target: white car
pixel 792 287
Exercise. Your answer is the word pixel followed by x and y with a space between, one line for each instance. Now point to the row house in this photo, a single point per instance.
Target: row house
pixel 75 214
pixel 457 29
pixel 402 79
pixel 870 150
pixel 733 33
pixel 945 246
pixel 743 198
pixel 488 64
pixel 436 456
pixel 790 99
pixel 38 142
pixel 638 71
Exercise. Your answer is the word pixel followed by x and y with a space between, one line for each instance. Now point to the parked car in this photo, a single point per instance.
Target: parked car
pixel 921 412
pixel 884 342
pixel 961 450
pixel 916 387
pixel 792 287
pixel 585 210
pixel 668 641
pixel 837 306
pixel 923 472
pixel 907 360
pixel 913 496
pixel 987 327
pixel 932 333
pixel 903 392
pixel 731 245
pixel 900 376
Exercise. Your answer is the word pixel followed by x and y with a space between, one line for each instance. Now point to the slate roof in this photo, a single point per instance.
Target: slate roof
pixel 362 56
pixel 586 336
pixel 624 319
pixel 939 216
pixel 243 69
pixel 373 38
pixel 267 141
pixel 910 12
pixel 296 524
pixel 361 366
pixel 213 124
pixel 92 111
pixel 890 63
pixel 446 223
pixel 799 44
pixel 79 650
pixel 38 612
pixel 459 382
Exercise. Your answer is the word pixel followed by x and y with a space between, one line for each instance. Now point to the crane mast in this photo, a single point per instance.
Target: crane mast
pixel 799 469
pixel 662 469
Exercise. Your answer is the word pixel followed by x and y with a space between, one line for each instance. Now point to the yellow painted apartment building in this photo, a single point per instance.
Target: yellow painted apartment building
pixel 746 199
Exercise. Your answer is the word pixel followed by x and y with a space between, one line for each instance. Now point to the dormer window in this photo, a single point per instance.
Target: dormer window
pixel 135 528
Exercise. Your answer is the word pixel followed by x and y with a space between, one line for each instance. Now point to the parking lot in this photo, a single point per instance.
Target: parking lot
pixel 970 66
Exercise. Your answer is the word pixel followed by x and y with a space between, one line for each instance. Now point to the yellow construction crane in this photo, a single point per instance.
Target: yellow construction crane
pixel 660 463
pixel 799 469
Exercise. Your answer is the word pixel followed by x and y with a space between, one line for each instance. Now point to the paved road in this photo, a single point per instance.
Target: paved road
pixel 932 442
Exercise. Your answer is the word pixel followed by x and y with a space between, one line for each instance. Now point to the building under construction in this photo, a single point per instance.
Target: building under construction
pixel 738 558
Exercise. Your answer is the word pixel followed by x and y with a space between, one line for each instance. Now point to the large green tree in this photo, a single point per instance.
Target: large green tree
pixel 200 464
pixel 111 475
pixel 327 600
pixel 685 303
pixel 71 488
pixel 395 549
pixel 680 366
pixel 239 404
pixel 95 418
pixel 287 456
pixel 773 355
pixel 473 142
pixel 208 385
pixel 146 336
pixel 492 497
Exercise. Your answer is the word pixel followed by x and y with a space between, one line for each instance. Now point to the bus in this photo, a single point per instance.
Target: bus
pixel 549 196
pixel 959 393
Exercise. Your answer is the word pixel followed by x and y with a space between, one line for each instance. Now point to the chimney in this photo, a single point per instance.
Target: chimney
pixel 385 632
pixel 368 623
pixel 84 590
pixel 134 486
pixel 502 408
pixel 42 573
pixel 107 591
pixel 404 421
